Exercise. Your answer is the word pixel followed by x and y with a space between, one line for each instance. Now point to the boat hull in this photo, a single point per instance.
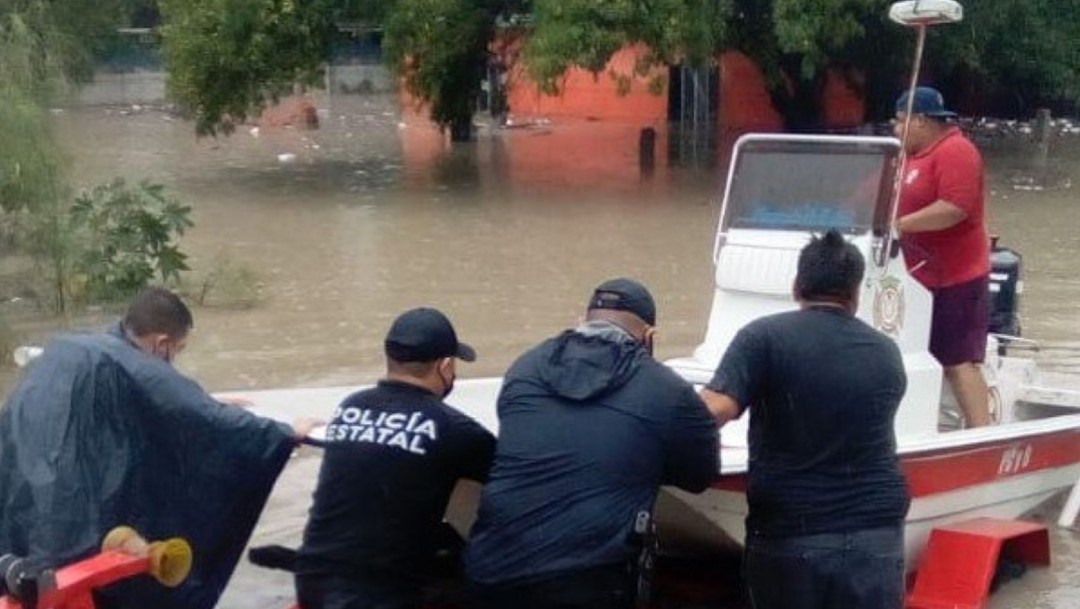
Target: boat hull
pixel 1002 478
pixel 1000 471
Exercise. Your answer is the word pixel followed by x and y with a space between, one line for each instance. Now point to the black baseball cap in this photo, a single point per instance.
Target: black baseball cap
pixel 624 294
pixel 424 335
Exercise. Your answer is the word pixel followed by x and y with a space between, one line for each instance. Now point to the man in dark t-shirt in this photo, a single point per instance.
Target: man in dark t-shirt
pixel 393 456
pixel 826 495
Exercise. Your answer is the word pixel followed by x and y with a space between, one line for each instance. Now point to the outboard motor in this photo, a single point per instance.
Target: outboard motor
pixel 1005 289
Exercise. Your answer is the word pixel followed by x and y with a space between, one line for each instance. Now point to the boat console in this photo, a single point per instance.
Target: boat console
pixel 781 190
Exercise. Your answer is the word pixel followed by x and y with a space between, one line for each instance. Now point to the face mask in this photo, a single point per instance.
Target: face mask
pixel 448 385
pixel 164 352
pixel 167 350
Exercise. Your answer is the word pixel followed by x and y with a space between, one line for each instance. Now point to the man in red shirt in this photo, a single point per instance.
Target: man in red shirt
pixel 943 234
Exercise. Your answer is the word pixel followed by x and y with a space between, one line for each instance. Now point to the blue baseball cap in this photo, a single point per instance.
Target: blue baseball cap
pixel 928 102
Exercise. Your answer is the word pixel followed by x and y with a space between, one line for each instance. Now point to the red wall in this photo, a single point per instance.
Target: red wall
pixel 744 98
pixel 744 103
pixel 843 105
pixel 594 138
pixel 585 95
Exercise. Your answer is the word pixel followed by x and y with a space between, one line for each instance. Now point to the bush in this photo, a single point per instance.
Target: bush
pixel 128 237
pixel 112 241
pixel 224 283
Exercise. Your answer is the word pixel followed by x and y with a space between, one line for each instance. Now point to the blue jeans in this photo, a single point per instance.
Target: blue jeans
pixel 860 569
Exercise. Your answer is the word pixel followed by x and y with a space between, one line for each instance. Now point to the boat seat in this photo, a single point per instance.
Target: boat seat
pixel 759 270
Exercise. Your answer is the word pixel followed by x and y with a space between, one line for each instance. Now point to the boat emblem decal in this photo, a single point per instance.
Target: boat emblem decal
pixel 889 305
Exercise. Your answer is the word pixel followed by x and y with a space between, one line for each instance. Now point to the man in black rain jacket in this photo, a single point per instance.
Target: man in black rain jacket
pixel 590 426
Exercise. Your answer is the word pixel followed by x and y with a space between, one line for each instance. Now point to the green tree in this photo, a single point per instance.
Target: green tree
pixel 30 73
pixel 1028 50
pixel 46 49
pixel 794 41
pixel 586 33
pixel 227 59
pixel 1021 51
pixel 1017 53
pixel 440 48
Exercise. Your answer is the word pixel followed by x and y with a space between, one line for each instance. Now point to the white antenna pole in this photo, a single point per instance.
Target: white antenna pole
pixel 919 14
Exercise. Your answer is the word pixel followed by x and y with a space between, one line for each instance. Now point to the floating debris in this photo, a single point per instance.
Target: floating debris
pixel 25 354
pixel 1035 183
pixel 286 157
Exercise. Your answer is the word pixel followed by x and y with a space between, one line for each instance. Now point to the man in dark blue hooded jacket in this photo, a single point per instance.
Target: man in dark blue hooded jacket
pixel 102 431
pixel 590 426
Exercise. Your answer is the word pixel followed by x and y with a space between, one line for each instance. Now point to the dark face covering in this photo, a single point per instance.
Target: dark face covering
pixel 167 348
pixel 448 385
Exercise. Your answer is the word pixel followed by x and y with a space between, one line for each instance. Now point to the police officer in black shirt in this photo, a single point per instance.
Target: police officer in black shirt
pixel 826 495
pixel 393 456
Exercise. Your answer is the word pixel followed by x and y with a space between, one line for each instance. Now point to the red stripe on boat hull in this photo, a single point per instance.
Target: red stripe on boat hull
pixel 944 470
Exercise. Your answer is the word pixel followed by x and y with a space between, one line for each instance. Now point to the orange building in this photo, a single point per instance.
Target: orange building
pixel 590 130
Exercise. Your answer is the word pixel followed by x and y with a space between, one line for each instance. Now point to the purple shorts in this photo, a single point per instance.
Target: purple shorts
pixel 961 322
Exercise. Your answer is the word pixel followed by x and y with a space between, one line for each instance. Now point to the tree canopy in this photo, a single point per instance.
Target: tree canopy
pixel 228 58
pixel 1017 53
pixel 45 48
pixel 440 48
pixel 1014 53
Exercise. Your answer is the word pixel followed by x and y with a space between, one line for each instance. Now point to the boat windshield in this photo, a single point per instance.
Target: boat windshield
pixel 812 185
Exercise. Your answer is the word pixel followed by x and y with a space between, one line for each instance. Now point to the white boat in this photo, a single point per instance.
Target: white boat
pixel 781 189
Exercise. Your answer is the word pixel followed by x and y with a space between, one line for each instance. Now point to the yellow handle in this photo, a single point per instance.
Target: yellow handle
pixel 126 540
pixel 170 560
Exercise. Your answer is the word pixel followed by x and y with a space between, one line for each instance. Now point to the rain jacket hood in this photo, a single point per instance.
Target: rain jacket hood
pixel 591 361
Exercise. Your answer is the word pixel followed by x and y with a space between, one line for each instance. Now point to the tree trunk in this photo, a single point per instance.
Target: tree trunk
pixel 801 106
pixel 461 130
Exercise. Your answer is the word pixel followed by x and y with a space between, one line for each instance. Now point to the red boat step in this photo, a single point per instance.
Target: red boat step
pixel 960 560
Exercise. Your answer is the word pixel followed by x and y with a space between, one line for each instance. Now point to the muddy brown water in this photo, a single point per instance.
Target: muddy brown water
pixel 507 235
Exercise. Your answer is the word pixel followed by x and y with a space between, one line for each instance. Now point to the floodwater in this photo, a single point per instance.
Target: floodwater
pixel 507 235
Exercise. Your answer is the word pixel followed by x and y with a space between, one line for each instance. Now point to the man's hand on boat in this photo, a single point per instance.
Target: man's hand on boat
pixel 722 407
pixel 302 428
pixel 238 401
